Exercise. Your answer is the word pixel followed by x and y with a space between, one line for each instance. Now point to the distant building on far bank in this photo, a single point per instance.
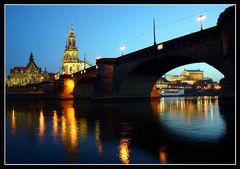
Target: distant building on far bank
pixel 189 77
pixel 31 74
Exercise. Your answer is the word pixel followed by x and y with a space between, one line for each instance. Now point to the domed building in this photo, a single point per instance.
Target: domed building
pixel 70 61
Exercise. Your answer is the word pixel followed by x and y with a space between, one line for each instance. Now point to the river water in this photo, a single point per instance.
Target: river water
pixel 170 130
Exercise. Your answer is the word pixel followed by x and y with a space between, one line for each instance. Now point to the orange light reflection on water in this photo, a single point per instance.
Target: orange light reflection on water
pixel 163 155
pixel 13 122
pixel 55 123
pixel 83 127
pixel 63 130
pixel 41 126
pixel 72 126
pixel 97 137
pixel 124 152
pixel 69 129
pixel 200 108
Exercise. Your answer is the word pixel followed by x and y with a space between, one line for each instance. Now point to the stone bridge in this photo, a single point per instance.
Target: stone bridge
pixel 84 82
pixel 134 74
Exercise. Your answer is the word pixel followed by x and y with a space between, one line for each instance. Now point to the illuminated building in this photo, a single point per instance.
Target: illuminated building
pixel 48 76
pixel 162 83
pixel 192 74
pixel 20 76
pixel 31 74
pixel 189 76
pixel 216 86
pixel 174 78
pixel 70 61
pixel 189 82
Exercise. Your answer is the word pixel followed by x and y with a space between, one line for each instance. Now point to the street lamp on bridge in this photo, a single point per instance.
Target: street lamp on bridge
pixel 122 48
pixel 201 18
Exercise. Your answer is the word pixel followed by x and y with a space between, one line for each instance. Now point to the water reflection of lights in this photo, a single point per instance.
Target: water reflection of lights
pixel 161 105
pixel 41 125
pixel 215 100
pixel 13 122
pixel 206 97
pixel 72 126
pixel 211 110
pixel 63 133
pixel 97 137
pixel 124 152
pixel 73 129
pixel 205 103
pixel 198 118
pixel 163 155
pixel 83 127
pixel 69 129
pixel 55 123
pixel 126 128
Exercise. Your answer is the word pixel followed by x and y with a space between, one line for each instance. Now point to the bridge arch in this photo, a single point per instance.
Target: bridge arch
pixel 140 80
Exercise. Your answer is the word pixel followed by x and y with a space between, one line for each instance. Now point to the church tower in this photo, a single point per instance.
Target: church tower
pixel 70 61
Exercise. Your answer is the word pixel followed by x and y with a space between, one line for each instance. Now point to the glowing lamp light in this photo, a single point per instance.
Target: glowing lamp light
pixel 160 47
pixel 200 19
pixel 122 48
pixel 98 57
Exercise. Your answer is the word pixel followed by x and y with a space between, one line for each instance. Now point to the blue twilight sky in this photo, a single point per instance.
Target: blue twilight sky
pixel 100 30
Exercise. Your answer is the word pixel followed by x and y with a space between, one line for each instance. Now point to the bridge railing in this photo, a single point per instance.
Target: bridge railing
pixel 181 42
pixel 88 71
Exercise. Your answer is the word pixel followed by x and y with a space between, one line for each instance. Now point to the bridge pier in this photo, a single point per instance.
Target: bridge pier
pixel 226 25
pixel 84 87
pixel 104 78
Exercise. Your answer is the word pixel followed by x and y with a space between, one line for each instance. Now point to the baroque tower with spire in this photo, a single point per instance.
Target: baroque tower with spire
pixel 70 61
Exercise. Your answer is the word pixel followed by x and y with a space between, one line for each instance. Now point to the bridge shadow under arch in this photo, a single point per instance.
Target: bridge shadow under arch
pixel 140 80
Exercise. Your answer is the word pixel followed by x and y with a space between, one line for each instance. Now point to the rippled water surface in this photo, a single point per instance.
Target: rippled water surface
pixel 167 130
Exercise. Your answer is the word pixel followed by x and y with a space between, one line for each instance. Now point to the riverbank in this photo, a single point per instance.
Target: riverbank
pixel 36 96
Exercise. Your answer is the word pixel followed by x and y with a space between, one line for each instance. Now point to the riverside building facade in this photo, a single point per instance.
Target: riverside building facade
pixel 31 74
